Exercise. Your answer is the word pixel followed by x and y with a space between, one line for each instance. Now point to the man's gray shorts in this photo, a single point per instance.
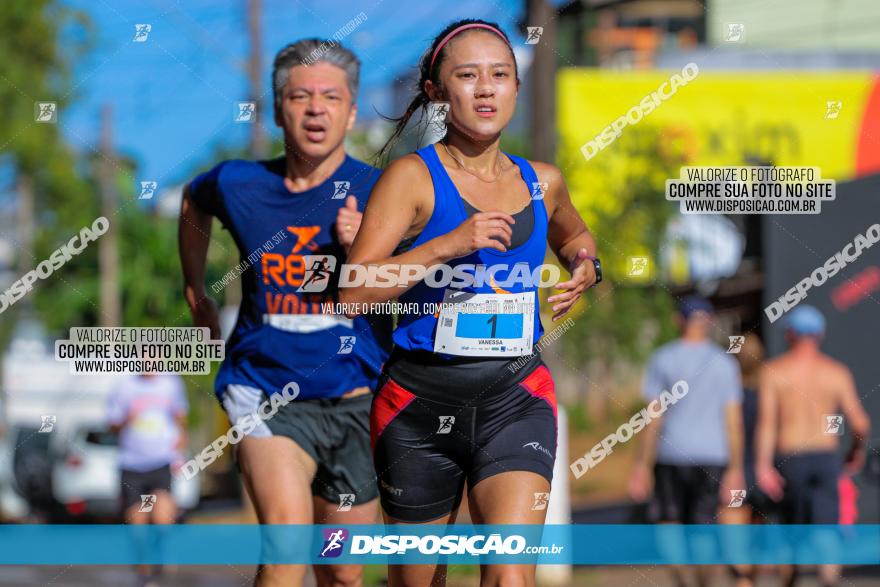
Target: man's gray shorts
pixel 334 432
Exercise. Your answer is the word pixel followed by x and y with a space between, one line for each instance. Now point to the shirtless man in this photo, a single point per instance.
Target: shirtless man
pixel 802 391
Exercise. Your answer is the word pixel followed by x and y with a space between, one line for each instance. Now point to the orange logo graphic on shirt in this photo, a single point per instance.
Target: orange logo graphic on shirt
pixel 305 237
pixel 283 271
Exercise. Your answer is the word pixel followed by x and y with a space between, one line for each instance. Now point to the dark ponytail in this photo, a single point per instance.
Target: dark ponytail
pixel 426 72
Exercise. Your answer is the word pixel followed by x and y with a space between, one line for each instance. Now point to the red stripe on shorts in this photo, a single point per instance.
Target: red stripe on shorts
pixel 539 383
pixel 390 401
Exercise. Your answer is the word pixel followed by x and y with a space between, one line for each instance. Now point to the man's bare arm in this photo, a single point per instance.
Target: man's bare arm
pixel 641 480
pixel 769 479
pixel 647 451
pixel 734 422
pixel 183 435
pixel 857 419
pixel 193 237
pixel 765 432
pixel 733 479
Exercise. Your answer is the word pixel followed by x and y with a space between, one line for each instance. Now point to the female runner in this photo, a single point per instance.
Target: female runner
pixel 454 405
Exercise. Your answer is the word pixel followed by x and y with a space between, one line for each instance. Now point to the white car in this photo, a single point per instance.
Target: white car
pixel 86 476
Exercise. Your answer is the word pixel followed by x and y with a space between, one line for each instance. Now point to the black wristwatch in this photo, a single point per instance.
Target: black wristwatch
pixel 598 266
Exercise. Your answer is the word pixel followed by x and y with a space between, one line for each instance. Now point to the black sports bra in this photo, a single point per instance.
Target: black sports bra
pixel 522 229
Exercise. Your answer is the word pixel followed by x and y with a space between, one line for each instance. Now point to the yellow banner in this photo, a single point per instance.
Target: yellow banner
pixel 622 134
pixel 716 118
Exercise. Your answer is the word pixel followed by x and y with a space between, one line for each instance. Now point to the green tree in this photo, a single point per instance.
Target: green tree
pixel 39 42
pixel 621 197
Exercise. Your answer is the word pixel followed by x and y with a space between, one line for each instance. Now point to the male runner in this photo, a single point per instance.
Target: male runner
pixel 802 392
pixel 692 455
pixel 313 456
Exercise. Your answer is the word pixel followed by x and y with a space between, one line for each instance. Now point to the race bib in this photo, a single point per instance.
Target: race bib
pixel 485 325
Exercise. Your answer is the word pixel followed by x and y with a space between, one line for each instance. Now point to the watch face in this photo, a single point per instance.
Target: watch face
pixel 598 267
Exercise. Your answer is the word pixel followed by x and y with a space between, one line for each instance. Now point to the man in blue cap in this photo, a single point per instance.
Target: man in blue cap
pixel 691 456
pixel 807 400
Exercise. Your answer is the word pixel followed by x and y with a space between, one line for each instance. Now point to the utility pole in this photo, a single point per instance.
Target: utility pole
pixel 543 82
pixel 258 144
pixel 25 229
pixel 25 223
pixel 108 244
pixel 543 126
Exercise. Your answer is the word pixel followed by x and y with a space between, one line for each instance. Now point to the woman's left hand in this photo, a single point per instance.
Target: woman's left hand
pixel 583 276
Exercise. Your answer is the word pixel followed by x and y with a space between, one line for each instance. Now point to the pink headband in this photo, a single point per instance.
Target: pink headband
pixel 460 29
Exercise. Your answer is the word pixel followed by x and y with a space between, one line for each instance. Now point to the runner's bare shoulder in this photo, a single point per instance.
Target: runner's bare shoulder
pixel 551 175
pixel 409 182
pixel 546 171
pixel 834 368
pixel 770 372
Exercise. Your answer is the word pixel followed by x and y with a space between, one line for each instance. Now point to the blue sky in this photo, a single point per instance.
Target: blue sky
pixel 174 95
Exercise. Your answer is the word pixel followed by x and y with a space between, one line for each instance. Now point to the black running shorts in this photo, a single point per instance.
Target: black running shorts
pixel 688 494
pixel 334 432
pixel 811 492
pixel 435 425
pixel 138 483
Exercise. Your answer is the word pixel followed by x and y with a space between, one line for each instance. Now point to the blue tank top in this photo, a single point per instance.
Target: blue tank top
pixel 415 331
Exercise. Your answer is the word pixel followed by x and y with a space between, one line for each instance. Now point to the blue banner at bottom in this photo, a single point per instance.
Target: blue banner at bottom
pixel 456 544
